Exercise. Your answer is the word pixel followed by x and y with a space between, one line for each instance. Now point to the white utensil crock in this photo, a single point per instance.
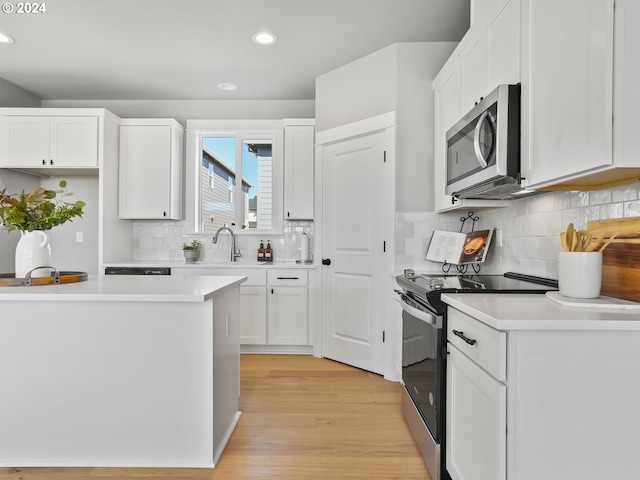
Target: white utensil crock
pixel 33 250
pixel 580 274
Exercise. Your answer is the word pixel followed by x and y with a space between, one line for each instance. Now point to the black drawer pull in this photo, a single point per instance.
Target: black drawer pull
pixel 288 278
pixel 460 334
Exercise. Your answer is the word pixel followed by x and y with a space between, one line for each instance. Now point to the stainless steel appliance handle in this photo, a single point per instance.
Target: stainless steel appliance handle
pixel 427 317
pixel 476 140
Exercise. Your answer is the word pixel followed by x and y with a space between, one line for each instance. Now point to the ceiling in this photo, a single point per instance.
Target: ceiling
pixel 181 50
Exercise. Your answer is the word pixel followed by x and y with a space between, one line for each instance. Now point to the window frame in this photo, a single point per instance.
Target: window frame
pixel 197 130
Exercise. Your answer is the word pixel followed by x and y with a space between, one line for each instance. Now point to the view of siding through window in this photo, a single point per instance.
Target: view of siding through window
pixel 220 203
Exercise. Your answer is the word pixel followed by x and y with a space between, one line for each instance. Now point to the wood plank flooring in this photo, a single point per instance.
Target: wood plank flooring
pixel 304 418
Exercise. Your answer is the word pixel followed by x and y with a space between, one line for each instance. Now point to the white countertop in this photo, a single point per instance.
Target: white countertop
pixel 182 263
pixel 537 312
pixel 126 288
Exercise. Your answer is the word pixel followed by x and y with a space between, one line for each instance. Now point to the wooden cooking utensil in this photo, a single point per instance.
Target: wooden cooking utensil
pixel 583 240
pixel 594 242
pixel 608 241
pixel 570 236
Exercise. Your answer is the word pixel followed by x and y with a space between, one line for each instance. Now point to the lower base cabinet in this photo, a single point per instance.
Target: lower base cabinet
pixel 273 304
pixel 287 307
pixel 552 404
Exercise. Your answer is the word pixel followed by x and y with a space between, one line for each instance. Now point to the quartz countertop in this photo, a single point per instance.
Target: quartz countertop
pixel 537 312
pixel 126 288
pixel 205 264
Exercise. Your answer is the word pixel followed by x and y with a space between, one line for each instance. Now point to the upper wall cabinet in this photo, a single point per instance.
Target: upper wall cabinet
pixel 42 141
pixel 151 169
pixel 485 58
pixel 581 95
pixel 298 168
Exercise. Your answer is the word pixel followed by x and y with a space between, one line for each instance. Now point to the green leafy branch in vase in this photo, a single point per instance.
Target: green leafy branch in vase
pixel 42 209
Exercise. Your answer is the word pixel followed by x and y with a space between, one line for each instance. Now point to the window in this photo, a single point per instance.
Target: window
pixel 239 170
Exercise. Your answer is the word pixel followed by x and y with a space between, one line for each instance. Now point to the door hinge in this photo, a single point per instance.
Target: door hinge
pixel 383 336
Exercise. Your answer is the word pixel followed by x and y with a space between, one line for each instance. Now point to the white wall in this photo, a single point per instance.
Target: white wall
pixel 13 96
pixel 396 78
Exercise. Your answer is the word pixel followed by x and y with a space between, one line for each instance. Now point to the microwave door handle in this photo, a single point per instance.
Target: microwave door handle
pixel 476 140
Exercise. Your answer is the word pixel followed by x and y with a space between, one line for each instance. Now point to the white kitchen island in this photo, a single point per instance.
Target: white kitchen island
pixel 126 371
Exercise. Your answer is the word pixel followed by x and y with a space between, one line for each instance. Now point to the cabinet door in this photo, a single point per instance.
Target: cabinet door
pixel 298 172
pixel 447 113
pixel 504 46
pixel 476 421
pixel 474 68
pixel 287 308
pixel 145 172
pixel 25 141
pixel 253 315
pixel 568 99
pixel 73 141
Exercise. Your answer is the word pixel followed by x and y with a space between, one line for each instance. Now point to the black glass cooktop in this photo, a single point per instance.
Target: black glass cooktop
pixel 430 287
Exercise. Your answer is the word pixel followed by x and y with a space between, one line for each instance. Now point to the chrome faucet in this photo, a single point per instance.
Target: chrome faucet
pixel 235 253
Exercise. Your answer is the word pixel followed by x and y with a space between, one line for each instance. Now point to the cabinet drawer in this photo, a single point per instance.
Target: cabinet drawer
pixel 484 345
pixel 255 276
pixel 289 277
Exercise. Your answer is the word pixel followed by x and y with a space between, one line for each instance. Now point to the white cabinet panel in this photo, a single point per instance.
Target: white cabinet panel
pixel 476 421
pixel 288 317
pixel 504 46
pixel 48 141
pixel 298 171
pixel 150 169
pixel 253 315
pixel 474 68
pixel 570 93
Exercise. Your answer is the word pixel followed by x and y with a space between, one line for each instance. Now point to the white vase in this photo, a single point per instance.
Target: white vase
pixel 33 250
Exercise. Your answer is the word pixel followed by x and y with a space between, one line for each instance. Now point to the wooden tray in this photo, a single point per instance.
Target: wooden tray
pixel 10 280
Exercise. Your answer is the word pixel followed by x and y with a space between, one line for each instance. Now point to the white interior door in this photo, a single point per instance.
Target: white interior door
pixel 358 207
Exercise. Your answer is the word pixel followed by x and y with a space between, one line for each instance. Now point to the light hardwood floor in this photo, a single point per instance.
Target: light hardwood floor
pixel 304 418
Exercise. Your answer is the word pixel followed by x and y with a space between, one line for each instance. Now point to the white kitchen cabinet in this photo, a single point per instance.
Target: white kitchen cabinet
pixel 491 55
pixel 476 401
pixel 474 69
pixel 447 110
pixel 287 307
pixel 578 95
pixel 544 384
pixel 274 306
pixel 569 89
pixel 151 152
pixel 48 141
pixel 298 169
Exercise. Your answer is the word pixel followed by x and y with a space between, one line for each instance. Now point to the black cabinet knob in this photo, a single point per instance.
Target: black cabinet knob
pixel 326 261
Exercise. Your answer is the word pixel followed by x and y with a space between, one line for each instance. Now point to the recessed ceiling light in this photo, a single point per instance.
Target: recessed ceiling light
pixel 264 38
pixel 227 86
pixel 6 39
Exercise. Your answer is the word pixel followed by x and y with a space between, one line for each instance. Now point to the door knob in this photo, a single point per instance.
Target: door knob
pixel 326 261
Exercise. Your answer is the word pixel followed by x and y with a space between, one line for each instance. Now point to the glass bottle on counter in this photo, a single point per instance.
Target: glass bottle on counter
pixel 268 252
pixel 261 252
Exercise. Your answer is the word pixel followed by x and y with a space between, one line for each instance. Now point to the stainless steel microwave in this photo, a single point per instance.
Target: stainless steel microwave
pixel 483 148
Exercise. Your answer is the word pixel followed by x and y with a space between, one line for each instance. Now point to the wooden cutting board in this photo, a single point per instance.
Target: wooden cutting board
pixel 621 259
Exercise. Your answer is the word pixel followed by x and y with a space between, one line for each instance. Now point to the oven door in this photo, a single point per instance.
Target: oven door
pixel 423 376
pixel 421 343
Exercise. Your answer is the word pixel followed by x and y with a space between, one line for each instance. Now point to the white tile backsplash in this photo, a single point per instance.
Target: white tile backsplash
pixel 530 228
pixel 162 241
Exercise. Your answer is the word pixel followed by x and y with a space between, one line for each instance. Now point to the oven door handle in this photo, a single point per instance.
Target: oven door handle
pixel 427 317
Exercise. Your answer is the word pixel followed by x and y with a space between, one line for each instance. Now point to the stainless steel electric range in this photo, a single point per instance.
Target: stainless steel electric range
pixel 424 349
